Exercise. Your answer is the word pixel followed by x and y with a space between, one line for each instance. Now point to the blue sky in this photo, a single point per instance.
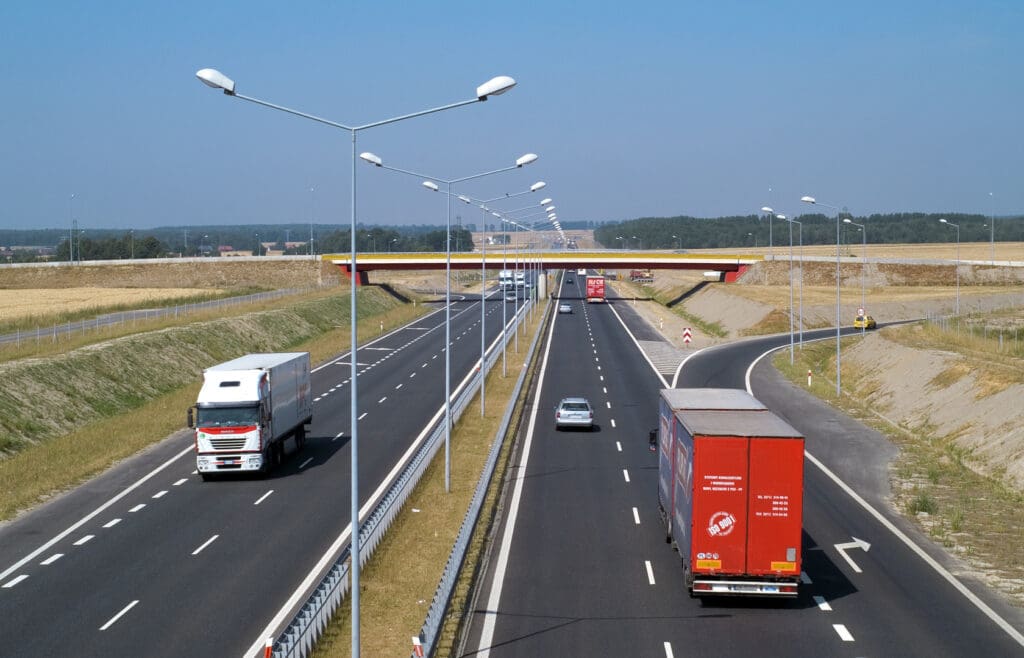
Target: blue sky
pixel 636 109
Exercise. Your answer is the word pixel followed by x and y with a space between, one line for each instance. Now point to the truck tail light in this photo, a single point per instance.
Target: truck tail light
pixel 788 589
pixel 704 587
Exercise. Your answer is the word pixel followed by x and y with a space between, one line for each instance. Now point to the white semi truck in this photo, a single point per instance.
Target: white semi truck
pixel 247 408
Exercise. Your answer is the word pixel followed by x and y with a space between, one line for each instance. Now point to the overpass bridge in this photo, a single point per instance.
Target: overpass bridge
pixel 729 265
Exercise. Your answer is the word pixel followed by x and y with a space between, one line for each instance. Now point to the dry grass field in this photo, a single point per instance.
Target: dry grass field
pixel 18 304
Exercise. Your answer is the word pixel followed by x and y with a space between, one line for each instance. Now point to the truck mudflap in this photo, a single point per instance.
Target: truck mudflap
pixel 717 587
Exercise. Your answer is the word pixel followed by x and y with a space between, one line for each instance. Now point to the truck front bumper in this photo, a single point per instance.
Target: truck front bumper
pixel 234 463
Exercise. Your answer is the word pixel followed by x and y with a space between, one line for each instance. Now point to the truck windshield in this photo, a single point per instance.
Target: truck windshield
pixel 226 416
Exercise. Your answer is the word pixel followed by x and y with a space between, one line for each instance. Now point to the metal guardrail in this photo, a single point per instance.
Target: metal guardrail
pixel 302 632
pixel 449 577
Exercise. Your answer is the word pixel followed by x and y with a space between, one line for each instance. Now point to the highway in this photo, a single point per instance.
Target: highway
pixel 579 565
pixel 147 560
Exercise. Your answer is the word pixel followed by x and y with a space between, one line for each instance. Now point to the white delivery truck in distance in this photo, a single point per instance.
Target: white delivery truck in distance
pixel 246 410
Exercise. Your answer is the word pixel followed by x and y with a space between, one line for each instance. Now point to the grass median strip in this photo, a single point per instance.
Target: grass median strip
pixel 399 581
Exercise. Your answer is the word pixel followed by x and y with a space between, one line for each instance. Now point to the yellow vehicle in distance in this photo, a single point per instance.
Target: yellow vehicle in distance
pixel 864 322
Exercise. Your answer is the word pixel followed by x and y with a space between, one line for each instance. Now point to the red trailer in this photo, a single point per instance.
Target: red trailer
pixel 595 288
pixel 734 505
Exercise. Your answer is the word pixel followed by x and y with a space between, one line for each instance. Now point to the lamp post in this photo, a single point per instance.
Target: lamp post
pixel 623 243
pixel 957 227
pixel 311 200
pixel 493 87
pixel 839 373
pixel 639 243
pixel 376 161
pixel 863 262
pixel 771 213
pixel 783 217
pixel 801 232
pixel 992 226
pixel 131 233
pixel 678 241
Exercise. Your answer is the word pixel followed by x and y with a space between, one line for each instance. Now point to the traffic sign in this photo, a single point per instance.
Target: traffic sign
pixel 687 336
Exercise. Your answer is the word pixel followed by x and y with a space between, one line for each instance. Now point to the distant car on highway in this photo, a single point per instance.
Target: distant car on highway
pixel 569 280
pixel 565 308
pixel 864 322
pixel 574 412
pixel 511 296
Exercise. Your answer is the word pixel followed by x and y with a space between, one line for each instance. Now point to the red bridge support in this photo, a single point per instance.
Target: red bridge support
pixel 362 277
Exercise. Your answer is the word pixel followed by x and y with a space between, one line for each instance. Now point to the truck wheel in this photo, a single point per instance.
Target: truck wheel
pixel 300 437
pixel 206 476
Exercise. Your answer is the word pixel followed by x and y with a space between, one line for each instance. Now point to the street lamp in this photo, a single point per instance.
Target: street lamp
pixel 992 227
pixel 783 217
pixel 131 232
pixel 679 241
pixel 493 87
pixel 639 243
pixel 957 227
pixel 623 241
pixel 863 263
pixel 520 162
pixel 839 373
pixel 801 232
pixel 311 199
pixel 771 213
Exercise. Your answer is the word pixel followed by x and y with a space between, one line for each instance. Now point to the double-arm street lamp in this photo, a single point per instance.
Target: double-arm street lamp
pixel 863 263
pixel 801 233
pixel 493 87
pixel 811 200
pixel 430 184
pixel 771 213
pixel 957 227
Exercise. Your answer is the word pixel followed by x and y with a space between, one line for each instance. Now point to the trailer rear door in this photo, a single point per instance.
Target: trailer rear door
pixel 719 529
pixel 776 500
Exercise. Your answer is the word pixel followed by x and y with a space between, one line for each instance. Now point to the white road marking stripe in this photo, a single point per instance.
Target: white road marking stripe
pixel 609 404
pixel 53 558
pixel 119 615
pixel 843 633
pixel 338 436
pixel 381 401
pixel 316 399
pixel 424 365
pixel 263 497
pixel 636 516
pixel 14 581
pixel 205 544
pixel 398 387
pixel 605 389
pixel 613 422
pixel 625 474
pixel 363 415
pixel 822 604
pixel 668 650
pixel 805 579
pixel 599 367
pixel 650 572
pixel 305 463
pixel 180 482
pixel 412 375
pixel 160 494
pixel 137 508
pixel 84 540
pixel 112 523
pixel 435 356
pixel 193 472
pixel 618 446
pixel 602 377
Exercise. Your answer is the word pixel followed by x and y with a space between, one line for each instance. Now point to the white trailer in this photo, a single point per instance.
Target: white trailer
pixel 247 408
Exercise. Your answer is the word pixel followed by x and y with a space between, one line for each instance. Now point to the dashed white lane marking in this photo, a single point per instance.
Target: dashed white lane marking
pixel 613 422
pixel 424 365
pixel 822 604
pixel 668 650
pixel 605 389
pixel 338 436
pixel 14 581
pixel 805 579
pixel 362 415
pixel 205 544
pixel 119 615
pixel 83 540
pixel 602 377
pixel 381 401
pixel 412 375
pixel 316 399
pixel 609 404
pixel 636 516
pixel 53 558
pixel 180 482
pixel 650 571
pixel 398 387
pixel 597 358
pixel 264 496
pixel 625 474
pixel 843 633
pixel 112 523
pixel 160 494
pixel 618 446
pixel 136 508
pixel 193 472
pixel 305 463
pixel 599 367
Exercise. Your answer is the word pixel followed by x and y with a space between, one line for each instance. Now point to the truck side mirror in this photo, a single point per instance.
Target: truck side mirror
pixel 652 439
pixel 191 417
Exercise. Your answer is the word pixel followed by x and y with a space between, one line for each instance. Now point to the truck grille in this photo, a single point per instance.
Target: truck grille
pixel 228 443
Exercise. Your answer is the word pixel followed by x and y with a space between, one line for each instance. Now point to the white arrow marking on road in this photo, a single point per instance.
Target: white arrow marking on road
pixel 856 543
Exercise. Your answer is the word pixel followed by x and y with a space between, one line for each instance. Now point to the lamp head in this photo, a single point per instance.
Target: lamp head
pixel 372 159
pixel 545 202
pixel 494 87
pixel 808 199
pixel 526 159
pixel 847 220
pixel 217 80
pixel 549 208
pixel 780 216
pixel 463 198
pixel 538 186
pixel 766 209
pixel 430 185
pixel 943 220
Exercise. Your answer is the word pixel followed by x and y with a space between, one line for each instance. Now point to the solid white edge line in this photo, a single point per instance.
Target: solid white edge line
pixel 305 463
pixel 636 516
pixel 53 558
pixel 822 603
pixel 907 541
pixel 14 581
pixel 664 384
pixel 328 556
pixel 263 497
pixel 844 634
pixel 650 571
pixel 119 615
pixel 88 517
pixel 498 581
pixel 668 650
pixel 205 544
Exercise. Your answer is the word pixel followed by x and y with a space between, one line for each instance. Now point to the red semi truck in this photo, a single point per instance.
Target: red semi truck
pixel 595 289
pixel 731 492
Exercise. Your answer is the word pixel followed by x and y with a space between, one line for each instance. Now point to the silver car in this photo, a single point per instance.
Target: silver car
pixel 565 308
pixel 574 412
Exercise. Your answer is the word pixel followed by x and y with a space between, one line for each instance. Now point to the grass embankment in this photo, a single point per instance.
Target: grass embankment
pixel 66 418
pixel 976 517
pixel 398 583
pixel 664 296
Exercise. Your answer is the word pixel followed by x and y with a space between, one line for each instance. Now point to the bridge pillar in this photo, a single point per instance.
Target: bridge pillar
pixel 731 277
pixel 362 276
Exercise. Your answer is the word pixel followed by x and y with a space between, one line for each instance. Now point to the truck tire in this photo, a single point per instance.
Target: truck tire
pixel 206 476
pixel 300 437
